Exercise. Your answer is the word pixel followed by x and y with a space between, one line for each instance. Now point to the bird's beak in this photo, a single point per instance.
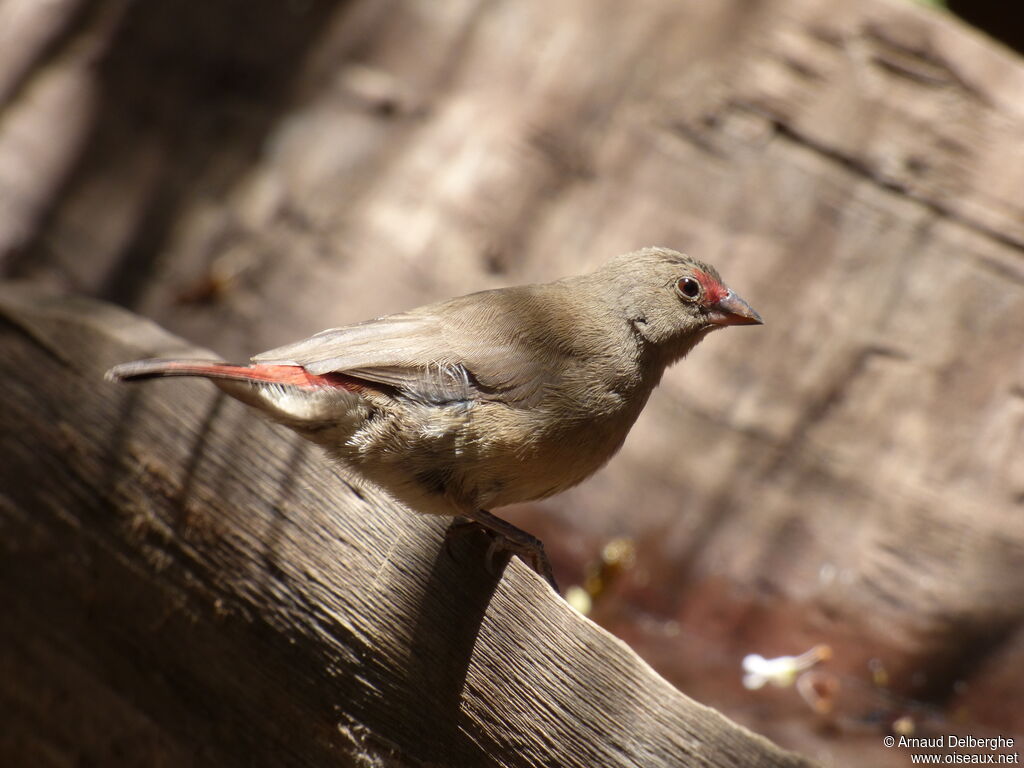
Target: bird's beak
pixel 732 310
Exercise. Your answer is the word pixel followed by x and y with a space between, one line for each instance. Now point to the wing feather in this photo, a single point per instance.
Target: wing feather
pixel 462 349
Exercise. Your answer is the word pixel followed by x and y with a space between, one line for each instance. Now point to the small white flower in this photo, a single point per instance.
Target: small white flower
pixel 781 671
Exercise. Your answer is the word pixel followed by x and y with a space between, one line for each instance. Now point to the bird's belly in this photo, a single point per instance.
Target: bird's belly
pixel 440 460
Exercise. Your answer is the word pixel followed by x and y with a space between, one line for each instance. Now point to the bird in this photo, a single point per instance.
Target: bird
pixel 497 397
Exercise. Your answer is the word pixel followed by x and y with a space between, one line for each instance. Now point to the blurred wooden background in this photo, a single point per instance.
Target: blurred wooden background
pixel 851 474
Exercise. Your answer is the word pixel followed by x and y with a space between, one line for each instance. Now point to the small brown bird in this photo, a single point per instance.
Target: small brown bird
pixel 492 398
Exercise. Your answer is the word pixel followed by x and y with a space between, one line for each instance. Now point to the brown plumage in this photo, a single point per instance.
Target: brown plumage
pixel 492 398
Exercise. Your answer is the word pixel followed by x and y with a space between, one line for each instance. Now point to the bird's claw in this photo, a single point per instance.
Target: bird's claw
pixel 528 548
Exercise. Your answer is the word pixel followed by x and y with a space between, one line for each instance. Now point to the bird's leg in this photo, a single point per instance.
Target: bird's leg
pixel 463 525
pixel 505 537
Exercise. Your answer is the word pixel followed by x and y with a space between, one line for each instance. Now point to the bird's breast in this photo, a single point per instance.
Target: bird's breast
pixel 535 453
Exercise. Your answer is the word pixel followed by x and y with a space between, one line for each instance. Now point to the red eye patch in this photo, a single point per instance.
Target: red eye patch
pixel 714 291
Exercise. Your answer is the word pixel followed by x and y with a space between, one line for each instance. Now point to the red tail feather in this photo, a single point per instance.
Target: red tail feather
pixel 288 375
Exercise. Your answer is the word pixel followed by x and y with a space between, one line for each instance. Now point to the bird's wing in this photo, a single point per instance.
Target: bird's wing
pixel 460 350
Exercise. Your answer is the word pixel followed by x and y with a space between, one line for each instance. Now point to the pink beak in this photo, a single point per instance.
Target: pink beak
pixel 732 310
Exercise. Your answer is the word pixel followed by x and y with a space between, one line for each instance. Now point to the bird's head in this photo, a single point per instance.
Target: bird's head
pixel 671 300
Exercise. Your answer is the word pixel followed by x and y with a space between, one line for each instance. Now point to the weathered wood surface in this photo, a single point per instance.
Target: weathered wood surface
pixel 852 473
pixel 217 586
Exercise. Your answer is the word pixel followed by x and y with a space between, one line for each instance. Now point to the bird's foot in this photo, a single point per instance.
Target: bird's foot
pixel 506 537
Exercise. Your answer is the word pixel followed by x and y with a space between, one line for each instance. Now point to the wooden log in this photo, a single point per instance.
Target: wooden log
pixel 186 584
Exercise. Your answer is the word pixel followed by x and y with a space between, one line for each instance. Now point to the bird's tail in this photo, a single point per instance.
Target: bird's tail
pixel 286 393
pixel 288 375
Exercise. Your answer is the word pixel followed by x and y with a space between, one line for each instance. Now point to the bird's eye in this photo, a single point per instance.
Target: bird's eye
pixel 688 287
